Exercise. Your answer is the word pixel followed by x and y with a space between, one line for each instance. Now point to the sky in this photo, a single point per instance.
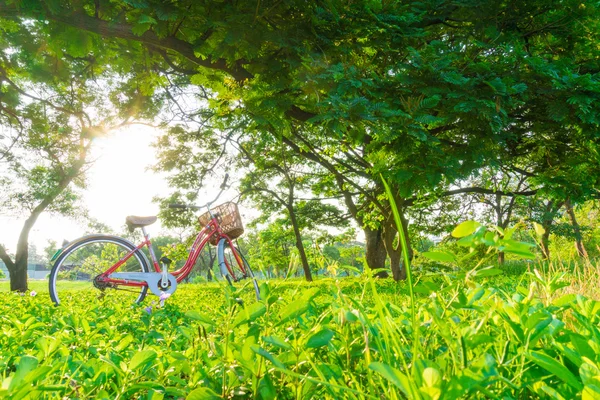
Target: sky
pixel 119 184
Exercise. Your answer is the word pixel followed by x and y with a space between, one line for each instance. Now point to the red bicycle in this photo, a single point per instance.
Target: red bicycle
pixel 107 262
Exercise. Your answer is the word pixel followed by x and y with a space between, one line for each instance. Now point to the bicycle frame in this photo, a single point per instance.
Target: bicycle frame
pixel 207 233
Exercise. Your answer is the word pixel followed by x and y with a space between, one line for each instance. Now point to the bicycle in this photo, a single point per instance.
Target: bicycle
pixel 112 262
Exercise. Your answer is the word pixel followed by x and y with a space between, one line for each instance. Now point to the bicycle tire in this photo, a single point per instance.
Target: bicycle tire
pixel 76 265
pixel 231 268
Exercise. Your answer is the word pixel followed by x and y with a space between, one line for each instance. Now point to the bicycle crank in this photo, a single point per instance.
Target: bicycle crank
pixel 152 279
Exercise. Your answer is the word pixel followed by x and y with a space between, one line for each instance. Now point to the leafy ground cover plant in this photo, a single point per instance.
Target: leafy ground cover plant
pixel 478 335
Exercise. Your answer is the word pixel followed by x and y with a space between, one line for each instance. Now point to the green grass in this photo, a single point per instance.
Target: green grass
pixel 37 285
pixel 474 337
pixel 41 286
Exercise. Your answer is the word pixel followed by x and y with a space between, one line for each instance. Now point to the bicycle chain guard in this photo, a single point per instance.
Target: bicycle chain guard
pixel 152 279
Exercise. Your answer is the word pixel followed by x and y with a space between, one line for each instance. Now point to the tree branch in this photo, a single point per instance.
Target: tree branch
pixel 124 31
pixel 79 114
pixel 6 258
pixel 480 190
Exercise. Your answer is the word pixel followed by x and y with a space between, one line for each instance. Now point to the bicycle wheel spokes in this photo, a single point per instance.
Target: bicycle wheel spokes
pixel 77 272
pixel 237 268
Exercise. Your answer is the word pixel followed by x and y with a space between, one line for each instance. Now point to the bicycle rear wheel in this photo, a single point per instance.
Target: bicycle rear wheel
pixel 234 266
pixel 76 270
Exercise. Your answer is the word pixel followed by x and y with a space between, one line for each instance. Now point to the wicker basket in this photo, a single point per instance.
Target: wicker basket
pixel 229 218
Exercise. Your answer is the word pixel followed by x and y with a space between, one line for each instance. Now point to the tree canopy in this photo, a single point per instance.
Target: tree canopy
pixel 425 93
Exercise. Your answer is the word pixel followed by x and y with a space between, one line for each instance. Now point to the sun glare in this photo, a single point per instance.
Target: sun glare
pixel 119 184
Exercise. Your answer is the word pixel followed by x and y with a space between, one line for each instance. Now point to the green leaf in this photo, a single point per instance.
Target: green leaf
pixel 198 316
pixel 146 386
pixel 141 359
pixel 396 377
pixel 539 229
pixel 264 353
pixel 26 365
pixel 146 19
pixel 432 377
pixel 554 367
pixel 465 229
pixel 488 271
pixel 553 393
pixel 426 287
pixel 521 253
pixel 277 341
pixel 320 339
pixel 467 241
pixel 564 300
pixel 582 346
pixel 538 321
pixel 439 256
pixel 569 353
pixel 519 88
pixel 139 29
pixel 266 388
pixel 297 307
pixel 590 392
pixel 249 314
pixel 589 373
pixel 202 393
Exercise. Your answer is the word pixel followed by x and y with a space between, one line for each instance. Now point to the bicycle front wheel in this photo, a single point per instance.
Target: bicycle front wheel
pixel 75 273
pixel 234 266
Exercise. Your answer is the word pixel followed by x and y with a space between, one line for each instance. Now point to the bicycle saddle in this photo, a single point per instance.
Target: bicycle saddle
pixel 133 221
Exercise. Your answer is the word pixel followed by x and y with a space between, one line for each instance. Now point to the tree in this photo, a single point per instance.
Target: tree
pixel 34 256
pixel 545 212
pixel 50 250
pixel 44 161
pixel 51 111
pixel 276 181
pixel 581 251
pixel 505 201
pixel 271 248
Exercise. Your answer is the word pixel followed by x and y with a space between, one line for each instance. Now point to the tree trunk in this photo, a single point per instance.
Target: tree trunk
pixel 375 255
pixel 18 269
pixel 300 245
pixel 395 253
pixel 499 223
pixel 375 250
pixel 500 257
pixel 552 208
pixel 18 277
pixel 576 229
pixel 546 243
